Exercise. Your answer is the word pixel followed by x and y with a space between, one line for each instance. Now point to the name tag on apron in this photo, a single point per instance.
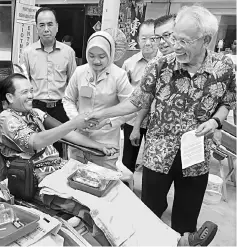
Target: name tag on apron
pixel 86 91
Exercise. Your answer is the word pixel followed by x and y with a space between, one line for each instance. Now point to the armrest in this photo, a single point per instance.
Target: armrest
pixel 229 128
pixel 92 151
pixel 219 153
pixel 228 141
pixel 51 122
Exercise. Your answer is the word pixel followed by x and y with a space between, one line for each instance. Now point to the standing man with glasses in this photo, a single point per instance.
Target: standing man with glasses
pixel 194 91
pixel 49 64
pixel 163 31
pixel 135 67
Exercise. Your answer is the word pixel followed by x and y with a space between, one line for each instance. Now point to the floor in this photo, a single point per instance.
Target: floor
pixel 223 213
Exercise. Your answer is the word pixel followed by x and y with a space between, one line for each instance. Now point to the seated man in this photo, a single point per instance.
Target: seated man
pixel 22 129
pixel 22 132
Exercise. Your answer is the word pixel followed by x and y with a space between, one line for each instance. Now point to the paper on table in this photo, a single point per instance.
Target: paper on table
pixel 192 149
pixel 50 240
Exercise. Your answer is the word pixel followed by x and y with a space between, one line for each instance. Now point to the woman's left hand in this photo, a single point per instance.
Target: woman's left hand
pixel 207 128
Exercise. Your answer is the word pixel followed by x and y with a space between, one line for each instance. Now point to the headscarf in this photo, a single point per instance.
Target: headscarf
pixel 104 41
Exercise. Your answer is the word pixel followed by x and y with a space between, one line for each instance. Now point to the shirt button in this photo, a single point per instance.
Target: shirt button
pixel 166 170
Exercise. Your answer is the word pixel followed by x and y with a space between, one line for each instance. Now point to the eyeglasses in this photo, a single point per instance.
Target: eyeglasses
pixel 144 39
pixel 165 37
pixel 183 42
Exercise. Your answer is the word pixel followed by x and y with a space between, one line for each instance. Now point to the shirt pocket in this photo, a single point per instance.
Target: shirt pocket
pixel 106 95
pixel 60 72
pixel 106 99
pixel 37 70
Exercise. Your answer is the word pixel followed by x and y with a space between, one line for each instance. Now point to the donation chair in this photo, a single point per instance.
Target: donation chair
pixel 227 150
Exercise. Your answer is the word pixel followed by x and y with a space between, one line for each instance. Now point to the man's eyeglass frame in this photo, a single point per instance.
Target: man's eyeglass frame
pixel 171 39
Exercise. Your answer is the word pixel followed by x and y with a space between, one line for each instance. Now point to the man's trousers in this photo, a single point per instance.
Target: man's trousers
pixel 188 195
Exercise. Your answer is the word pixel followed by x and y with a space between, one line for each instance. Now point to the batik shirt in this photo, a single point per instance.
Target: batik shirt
pixel 154 62
pixel 15 132
pixel 182 103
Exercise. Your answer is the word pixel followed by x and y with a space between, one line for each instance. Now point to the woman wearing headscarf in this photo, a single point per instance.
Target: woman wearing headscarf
pixel 94 86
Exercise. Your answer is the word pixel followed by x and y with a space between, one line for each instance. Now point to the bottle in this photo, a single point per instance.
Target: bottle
pixel 6 216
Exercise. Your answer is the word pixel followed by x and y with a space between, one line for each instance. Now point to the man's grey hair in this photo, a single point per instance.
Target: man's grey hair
pixel 206 21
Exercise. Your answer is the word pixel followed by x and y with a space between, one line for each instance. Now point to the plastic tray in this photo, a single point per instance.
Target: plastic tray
pixel 86 188
pixel 11 233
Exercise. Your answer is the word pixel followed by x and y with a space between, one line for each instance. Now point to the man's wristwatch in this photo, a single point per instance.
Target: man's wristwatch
pixel 218 122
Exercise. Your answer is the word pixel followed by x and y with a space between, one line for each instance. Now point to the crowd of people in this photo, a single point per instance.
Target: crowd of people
pixel 175 84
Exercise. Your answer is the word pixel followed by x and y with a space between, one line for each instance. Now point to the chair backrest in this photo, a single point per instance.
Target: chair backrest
pixel 229 137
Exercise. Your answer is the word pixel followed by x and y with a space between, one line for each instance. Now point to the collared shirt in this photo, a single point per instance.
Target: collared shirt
pixel 135 67
pixel 182 103
pixel 49 72
pixel 15 132
pixel 108 90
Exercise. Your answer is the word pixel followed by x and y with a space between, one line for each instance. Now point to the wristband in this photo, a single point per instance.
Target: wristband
pixel 218 122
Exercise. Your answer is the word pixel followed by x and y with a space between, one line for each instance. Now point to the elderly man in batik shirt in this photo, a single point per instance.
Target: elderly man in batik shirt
pixel 194 91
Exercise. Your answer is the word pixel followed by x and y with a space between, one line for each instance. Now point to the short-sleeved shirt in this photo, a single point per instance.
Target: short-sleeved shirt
pixel 182 103
pixel 49 72
pixel 110 88
pixel 15 132
pixel 135 67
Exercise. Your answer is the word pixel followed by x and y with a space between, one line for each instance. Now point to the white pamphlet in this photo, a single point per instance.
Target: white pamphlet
pixel 192 149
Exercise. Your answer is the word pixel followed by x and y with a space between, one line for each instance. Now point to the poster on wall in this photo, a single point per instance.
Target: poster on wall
pixel 93 10
pixel 124 22
pixel 138 11
pixel 24 21
pixel 25 13
pixel 25 38
pixel 131 15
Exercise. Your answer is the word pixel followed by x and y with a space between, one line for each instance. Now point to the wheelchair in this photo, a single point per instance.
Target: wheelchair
pixel 86 230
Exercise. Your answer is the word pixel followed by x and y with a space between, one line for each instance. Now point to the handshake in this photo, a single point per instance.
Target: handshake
pixel 94 121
